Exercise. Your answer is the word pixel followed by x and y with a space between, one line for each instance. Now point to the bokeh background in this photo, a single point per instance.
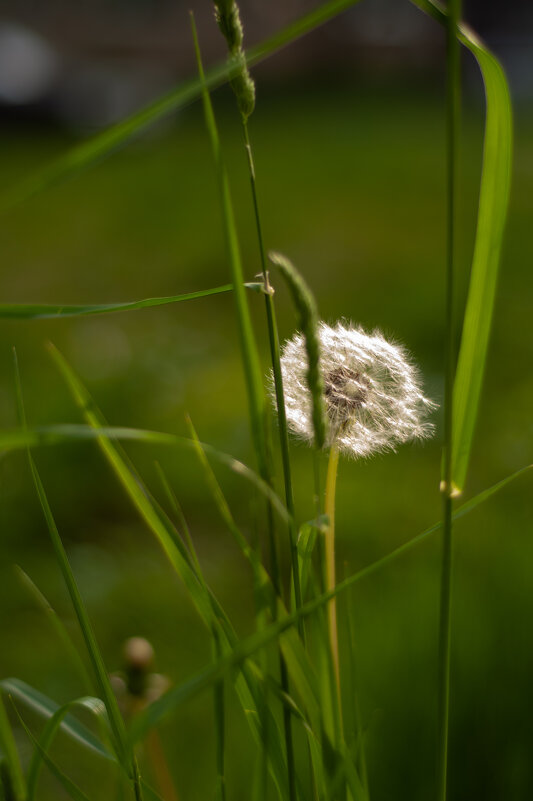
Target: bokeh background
pixel 350 155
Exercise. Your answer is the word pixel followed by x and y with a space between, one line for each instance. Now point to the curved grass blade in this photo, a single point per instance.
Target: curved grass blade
pixel 95 705
pixel 493 204
pixel 70 787
pixel 43 706
pixel 46 311
pixel 246 648
pixel 17 439
pixel 58 626
pixel 92 151
pixel 12 766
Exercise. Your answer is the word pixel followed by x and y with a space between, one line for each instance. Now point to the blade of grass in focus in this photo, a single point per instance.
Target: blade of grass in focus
pixel 44 707
pixel 493 205
pixel 46 311
pixel 92 151
pixel 244 648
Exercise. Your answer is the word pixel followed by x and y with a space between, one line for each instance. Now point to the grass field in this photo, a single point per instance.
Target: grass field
pixel 351 185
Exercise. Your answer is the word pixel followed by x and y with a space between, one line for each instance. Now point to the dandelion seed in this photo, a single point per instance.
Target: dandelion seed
pixel 372 391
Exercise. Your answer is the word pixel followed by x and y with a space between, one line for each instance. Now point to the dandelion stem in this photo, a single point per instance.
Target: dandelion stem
pixel 331 483
pixel 453 95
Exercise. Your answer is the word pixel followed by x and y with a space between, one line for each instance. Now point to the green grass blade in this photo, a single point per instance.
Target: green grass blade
pixel 46 311
pixel 243 649
pixel 58 626
pixel 44 707
pixel 493 204
pixel 102 678
pixel 10 753
pixel 249 353
pixel 70 787
pixel 18 439
pixel 94 705
pixel 92 151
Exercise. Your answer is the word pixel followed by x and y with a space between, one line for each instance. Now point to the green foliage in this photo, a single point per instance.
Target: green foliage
pixel 288 704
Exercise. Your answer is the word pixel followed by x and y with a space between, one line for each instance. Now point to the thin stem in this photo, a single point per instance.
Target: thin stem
pixel 284 443
pixel 331 483
pixel 273 337
pixel 453 95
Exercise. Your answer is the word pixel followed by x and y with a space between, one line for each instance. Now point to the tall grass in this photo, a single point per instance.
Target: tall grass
pixel 308 744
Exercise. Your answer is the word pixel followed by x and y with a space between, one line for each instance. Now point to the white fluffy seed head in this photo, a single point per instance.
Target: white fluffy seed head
pixel 372 391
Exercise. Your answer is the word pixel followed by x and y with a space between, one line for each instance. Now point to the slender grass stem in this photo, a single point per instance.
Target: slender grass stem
pixel 273 337
pixel 453 99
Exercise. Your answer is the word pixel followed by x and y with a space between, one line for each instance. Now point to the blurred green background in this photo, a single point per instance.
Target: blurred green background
pixel 351 185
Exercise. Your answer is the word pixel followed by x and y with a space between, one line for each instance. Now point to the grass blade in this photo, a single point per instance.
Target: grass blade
pixel 43 706
pixel 94 705
pixel 249 353
pixel 17 439
pixel 10 753
pixel 493 204
pixel 72 789
pixel 126 758
pixel 58 626
pixel 46 311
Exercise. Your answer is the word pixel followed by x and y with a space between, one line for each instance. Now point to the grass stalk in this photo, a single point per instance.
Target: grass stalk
pixel 256 397
pixel 453 100
pixel 13 770
pixel 273 338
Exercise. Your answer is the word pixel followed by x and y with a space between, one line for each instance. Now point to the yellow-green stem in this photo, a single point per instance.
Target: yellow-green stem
pixel 329 508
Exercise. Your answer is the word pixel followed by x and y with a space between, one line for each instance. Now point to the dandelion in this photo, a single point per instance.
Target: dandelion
pixel 372 391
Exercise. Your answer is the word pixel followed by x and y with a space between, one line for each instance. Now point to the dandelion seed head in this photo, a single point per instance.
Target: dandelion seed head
pixel 372 391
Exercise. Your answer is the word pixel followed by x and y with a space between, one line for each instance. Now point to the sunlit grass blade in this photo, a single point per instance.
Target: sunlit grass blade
pixel 95 149
pixel 211 612
pixel 44 707
pixel 8 748
pixel 243 649
pixel 69 786
pixel 493 204
pixel 58 626
pixel 94 705
pixel 46 311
